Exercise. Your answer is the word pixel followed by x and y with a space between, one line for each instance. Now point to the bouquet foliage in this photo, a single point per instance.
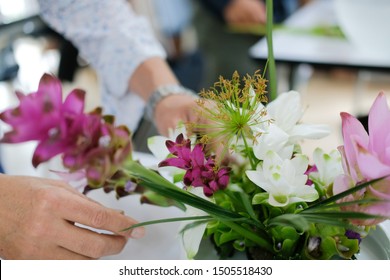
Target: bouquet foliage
pixel 240 176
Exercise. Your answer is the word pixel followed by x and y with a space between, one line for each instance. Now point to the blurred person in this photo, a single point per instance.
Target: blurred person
pixel 129 60
pixel 224 50
pixel 172 25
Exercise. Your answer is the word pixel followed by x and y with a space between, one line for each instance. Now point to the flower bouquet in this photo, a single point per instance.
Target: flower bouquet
pixel 240 177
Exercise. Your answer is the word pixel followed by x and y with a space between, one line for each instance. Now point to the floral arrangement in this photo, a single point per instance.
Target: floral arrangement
pixel 241 178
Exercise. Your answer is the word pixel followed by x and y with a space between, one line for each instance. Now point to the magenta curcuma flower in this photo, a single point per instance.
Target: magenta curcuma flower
pixel 87 142
pixel 42 116
pixel 201 171
pixel 367 157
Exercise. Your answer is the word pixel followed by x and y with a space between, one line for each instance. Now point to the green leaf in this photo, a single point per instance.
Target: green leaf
pixel 344 194
pixel 164 187
pixel 260 198
pixel 346 203
pixel 195 224
pixel 170 220
pixel 273 92
pixel 244 198
pixel 228 236
pixel 251 235
pixel 178 177
pixel 239 245
pixel 294 220
pixel 342 215
pixel 153 198
pixel 336 218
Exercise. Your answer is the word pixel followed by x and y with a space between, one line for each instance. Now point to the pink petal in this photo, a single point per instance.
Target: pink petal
pixel 74 102
pixel 353 131
pixel 176 162
pixel 378 124
pixel 47 150
pixel 370 165
pixel 198 155
pixel 342 183
pixel 51 86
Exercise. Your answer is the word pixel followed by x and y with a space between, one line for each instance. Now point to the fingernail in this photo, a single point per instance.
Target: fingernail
pixel 138 232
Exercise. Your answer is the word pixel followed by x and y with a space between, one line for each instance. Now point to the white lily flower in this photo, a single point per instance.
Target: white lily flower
pixel 193 236
pixel 274 139
pixel 285 113
pixel 283 179
pixel 328 167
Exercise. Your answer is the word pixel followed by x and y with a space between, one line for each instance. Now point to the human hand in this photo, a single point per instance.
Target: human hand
pixel 172 110
pixel 245 12
pixel 38 216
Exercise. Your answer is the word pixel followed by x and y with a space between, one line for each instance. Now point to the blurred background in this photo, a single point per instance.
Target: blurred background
pixel 209 46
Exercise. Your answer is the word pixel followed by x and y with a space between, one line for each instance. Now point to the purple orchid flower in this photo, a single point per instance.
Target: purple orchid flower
pixel 201 171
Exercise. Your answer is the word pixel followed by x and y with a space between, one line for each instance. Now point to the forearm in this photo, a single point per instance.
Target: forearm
pixel 150 75
pixel 108 34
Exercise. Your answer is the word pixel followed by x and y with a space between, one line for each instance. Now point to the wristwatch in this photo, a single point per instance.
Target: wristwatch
pixel 162 92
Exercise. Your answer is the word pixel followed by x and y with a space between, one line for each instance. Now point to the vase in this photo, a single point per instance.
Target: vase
pixel 375 246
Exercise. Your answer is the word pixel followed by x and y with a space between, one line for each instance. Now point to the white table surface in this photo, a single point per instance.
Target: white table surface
pixel 162 241
pixel 314 49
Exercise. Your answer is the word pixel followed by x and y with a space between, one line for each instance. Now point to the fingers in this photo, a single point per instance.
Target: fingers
pixel 43 225
pixel 90 244
pixel 245 12
pixel 83 211
pixel 173 109
pixel 65 254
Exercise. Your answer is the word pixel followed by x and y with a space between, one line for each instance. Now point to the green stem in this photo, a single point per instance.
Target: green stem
pixel 247 150
pixel 250 235
pixel 271 59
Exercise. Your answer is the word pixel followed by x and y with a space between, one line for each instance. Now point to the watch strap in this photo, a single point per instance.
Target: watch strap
pixel 162 92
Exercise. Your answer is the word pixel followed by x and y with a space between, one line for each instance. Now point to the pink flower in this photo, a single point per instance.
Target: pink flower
pixel 367 157
pixel 42 116
pixel 201 171
pixel 88 142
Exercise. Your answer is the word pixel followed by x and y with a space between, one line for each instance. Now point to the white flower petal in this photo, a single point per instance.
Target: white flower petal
pixel 274 139
pixel 193 236
pixel 257 177
pixel 328 165
pixel 310 131
pixel 283 179
pixel 278 200
pixel 300 163
pixel 306 193
pixel 156 145
pixel 286 109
